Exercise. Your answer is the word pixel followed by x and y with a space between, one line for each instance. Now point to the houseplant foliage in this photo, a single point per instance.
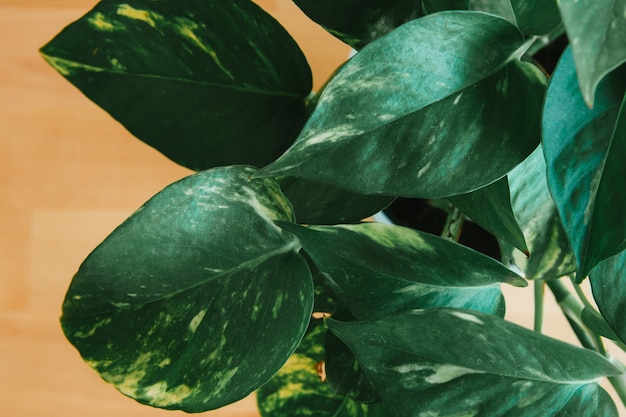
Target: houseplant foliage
pixel 255 273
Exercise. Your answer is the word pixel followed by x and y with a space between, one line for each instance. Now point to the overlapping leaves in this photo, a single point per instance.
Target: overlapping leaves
pixel 488 367
pixel 596 30
pixel 206 83
pixel 359 22
pixel 584 150
pixel 549 253
pixel 391 121
pixel 165 312
pixel 378 269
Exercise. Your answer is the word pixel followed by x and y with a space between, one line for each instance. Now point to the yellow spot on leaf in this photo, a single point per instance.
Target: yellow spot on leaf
pixel 136 14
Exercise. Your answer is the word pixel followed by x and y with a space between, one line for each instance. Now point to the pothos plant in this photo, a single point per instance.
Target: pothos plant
pixel 257 274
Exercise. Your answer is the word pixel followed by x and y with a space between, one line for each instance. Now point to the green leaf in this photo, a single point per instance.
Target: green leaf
pixel 165 312
pixel 391 120
pixel 378 269
pixel 533 17
pixel 460 362
pixel 359 22
pixel 297 390
pixel 490 208
pixel 434 6
pixel 594 321
pixel 584 150
pixel 549 253
pixel 206 83
pixel 608 281
pixel 596 30
pixel 318 203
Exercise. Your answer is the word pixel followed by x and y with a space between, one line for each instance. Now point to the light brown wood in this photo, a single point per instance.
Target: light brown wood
pixel 68 175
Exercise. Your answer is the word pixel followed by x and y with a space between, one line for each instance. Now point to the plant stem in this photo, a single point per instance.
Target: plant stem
pixel 341 407
pixel 454 225
pixel 572 307
pixel 539 288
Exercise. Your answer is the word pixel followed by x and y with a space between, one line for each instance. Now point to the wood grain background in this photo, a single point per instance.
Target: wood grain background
pixel 68 175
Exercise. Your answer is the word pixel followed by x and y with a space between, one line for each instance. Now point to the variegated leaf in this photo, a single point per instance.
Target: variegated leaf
pixel 391 120
pixel 458 362
pixel 198 298
pixel 378 269
pixel 206 83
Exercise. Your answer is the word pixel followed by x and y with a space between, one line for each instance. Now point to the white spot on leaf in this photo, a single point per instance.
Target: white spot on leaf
pixel 467 317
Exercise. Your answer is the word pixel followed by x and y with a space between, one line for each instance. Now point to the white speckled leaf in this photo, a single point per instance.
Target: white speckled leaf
pixel 489 367
pixel 377 269
pixel 207 83
pixel 391 121
pixel 596 30
pixel 198 298
pixel 550 255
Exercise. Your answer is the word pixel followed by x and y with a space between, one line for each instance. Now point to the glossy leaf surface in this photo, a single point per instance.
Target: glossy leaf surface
pixel 490 207
pixel 584 151
pixel 550 255
pixel 533 17
pixel 359 22
pixel 596 30
pixel 206 83
pixel 165 313
pixel 608 281
pixel 488 367
pixel 418 112
pixel 378 269
pixel 319 203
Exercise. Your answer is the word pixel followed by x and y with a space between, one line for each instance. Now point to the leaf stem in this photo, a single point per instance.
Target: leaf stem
pixel 540 290
pixel 454 225
pixel 572 308
pixel 341 407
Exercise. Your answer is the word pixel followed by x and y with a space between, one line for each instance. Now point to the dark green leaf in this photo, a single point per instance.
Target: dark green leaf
pixel 608 281
pixel 490 207
pixel 459 362
pixel 550 255
pixel 594 321
pixel 206 83
pixel 596 30
pixel 584 150
pixel 391 121
pixel 377 269
pixel 359 22
pixel 434 6
pixel 165 311
pixel 533 17
pixel 318 203
pixel 298 390
pixel 343 373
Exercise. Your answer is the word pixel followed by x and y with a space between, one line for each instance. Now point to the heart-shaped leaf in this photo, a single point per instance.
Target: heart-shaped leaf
pixel 359 22
pixel 596 30
pixel 378 269
pixel 319 203
pixel 549 253
pixel 391 120
pixel 533 17
pixel 584 151
pixel 165 312
pixel 206 83
pixel 455 362
pixel 490 207
pixel 608 281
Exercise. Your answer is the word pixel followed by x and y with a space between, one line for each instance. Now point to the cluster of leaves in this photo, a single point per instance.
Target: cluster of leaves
pixel 206 293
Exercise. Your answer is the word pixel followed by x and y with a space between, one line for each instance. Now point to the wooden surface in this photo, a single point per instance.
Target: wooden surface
pixel 69 175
